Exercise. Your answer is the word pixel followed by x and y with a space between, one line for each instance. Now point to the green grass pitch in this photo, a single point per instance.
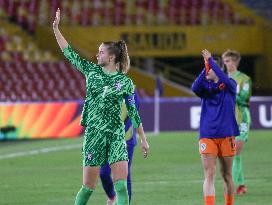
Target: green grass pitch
pixel 171 175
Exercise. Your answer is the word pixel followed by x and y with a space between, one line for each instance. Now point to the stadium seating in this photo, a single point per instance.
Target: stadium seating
pixel 29 74
pixel 13 47
pixel 34 75
pixel 40 81
pixel 29 13
pixel 262 7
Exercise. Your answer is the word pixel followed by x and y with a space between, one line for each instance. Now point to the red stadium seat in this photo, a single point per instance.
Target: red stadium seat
pixel 121 12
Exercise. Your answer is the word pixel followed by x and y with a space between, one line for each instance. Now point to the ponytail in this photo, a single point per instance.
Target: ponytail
pixel 119 49
pixel 124 58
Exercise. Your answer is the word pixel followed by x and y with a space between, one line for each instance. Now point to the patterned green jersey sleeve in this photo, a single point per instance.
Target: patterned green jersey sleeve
pixel 131 105
pixel 81 64
pixel 243 96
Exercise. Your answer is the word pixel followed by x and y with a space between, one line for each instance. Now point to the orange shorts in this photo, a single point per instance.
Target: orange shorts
pixel 221 147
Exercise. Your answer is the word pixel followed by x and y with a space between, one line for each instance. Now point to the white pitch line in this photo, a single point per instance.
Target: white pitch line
pixel 45 150
pixel 39 151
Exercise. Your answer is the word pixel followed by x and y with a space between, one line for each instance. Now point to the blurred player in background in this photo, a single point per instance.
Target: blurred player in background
pixel 218 127
pixel 105 172
pixel 106 88
pixel 231 60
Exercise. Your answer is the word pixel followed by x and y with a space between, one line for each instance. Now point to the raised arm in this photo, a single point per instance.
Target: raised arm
pixel 197 85
pixel 220 74
pixel 60 39
pixel 81 64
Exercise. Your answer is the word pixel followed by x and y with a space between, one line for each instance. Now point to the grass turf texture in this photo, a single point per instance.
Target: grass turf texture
pixel 171 175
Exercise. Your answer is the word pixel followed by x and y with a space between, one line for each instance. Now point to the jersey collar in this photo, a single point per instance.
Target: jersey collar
pixel 235 74
pixel 109 73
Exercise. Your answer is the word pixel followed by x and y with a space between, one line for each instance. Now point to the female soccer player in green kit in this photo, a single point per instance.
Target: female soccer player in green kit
pixel 104 141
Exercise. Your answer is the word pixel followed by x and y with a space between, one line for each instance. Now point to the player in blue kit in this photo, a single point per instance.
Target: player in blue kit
pixel 105 171
pixel 218 127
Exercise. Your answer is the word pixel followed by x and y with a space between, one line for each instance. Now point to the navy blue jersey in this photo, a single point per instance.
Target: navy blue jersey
pixel 217 118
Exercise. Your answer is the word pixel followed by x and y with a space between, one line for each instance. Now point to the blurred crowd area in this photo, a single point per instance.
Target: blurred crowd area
pixel 30 13
pixel 30 73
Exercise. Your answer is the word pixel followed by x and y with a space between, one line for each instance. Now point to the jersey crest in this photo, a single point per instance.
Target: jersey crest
pixel 118 86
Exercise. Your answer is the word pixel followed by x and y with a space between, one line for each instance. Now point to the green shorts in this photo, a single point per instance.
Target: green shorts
pixel 244 130
pixel 100 147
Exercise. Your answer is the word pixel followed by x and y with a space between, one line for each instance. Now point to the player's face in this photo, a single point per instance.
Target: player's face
pixel 230 64
pixel 211 75
pixel 103 57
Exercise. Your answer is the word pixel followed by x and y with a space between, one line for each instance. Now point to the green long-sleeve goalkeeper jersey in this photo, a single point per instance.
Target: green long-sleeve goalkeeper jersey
pixel 244 91
pixel 104 95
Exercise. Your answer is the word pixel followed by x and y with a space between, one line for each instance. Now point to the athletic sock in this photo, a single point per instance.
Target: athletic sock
pixel 121 192
pixel 83 195
pixel 237 171
pixel 209 200
pixel 229 199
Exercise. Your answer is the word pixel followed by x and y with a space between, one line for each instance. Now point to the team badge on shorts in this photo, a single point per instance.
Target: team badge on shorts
pixel 203 146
